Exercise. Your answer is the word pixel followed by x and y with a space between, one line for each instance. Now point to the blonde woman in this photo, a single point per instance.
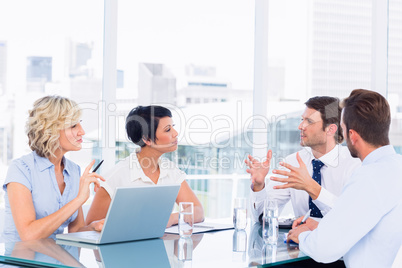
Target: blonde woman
pixel 44 191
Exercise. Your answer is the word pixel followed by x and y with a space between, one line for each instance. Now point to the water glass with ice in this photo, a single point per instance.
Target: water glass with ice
pixel 240 213
pixel 186 218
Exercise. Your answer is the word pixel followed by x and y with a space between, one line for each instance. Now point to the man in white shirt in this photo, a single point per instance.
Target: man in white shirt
pixel 363 225
pixel 320 135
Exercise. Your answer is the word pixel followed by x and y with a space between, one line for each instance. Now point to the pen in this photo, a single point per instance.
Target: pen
pixel 306 217
pixel 203 226
pixel 100 163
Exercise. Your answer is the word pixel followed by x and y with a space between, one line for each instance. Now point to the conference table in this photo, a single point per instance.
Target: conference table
pixel 225 248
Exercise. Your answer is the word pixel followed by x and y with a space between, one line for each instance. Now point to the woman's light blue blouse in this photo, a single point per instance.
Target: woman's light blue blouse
pixel 38 175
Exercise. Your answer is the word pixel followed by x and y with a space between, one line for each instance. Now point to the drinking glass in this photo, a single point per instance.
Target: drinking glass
pixel 186 218
pixel 240 213
pixel 239 240
pixel 185 249
pixel 269 252
pixel 270 224
pixel 239 245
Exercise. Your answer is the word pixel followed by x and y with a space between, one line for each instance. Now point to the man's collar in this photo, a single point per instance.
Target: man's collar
pixel 331 158
pixel 378 153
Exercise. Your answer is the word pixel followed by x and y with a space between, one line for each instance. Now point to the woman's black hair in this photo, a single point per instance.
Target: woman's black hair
pixel 142 122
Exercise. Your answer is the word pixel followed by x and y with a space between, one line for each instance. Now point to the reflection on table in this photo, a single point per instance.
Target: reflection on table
pixel 239 245
pixel 262 253
pixel 229 248
pixel 42 251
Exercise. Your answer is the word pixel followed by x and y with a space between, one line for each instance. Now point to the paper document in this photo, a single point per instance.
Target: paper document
pixel 201 227
pixel 285 235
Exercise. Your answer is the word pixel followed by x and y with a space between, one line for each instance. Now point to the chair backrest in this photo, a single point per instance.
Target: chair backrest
pixel 398 260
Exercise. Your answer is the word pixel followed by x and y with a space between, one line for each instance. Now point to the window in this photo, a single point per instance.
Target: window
pixel 196 58
pixel 395 72
pixel 180 54
pixel 46 51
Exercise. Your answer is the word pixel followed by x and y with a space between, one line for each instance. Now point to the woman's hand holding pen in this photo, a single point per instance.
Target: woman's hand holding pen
pixel 97 186
pixel 86 179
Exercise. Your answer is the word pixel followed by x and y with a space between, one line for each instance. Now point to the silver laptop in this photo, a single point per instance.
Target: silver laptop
pixel 135 213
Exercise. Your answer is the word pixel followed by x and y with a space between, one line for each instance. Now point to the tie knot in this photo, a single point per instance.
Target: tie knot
pixel 317 164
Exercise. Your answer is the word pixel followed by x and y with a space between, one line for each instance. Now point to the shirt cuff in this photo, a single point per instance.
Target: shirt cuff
pixel 325 201
pixel 257 202
pixel 258 196
pixel 302 237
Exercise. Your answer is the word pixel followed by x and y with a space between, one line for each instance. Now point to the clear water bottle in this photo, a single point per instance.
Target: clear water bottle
pixel 270 224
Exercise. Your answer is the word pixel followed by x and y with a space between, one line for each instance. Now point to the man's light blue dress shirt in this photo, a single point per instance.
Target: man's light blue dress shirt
pixel 363 226
pixel 38 175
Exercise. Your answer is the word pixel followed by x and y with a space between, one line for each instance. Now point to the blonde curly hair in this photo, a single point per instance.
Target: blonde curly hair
pixel 49 115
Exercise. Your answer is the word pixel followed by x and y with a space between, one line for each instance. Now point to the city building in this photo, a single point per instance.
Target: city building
pixel 156 84
pixel 120 79
pixel 6 129
pixel 39 72
pixel 78 56
pixel 340 41
pixel 3 67
pixel 201 85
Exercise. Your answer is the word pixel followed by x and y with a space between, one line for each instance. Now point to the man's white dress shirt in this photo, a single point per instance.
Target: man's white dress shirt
pixel 363 226
pixel 338 166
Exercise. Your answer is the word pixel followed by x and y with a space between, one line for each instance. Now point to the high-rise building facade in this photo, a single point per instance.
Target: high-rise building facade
pixel 39 72
pixel 79 55
pixel 395 51
pixel 340 46
pixel 156 84
pixel 3 67
pixel 6 129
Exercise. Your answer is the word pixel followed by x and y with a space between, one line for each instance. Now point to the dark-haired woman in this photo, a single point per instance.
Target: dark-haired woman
pixel 151 128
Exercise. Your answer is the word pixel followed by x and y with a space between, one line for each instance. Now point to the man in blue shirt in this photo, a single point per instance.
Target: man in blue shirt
pixel 361 225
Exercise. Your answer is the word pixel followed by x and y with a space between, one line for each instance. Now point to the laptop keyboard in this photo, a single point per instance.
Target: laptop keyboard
pixel 92 236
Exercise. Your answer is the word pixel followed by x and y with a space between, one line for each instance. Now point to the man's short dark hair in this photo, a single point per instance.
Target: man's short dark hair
pixel 142 122
pixel 330 112
pixel 368 113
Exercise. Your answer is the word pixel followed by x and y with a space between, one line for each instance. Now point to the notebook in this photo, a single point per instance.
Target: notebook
pixel 135 213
